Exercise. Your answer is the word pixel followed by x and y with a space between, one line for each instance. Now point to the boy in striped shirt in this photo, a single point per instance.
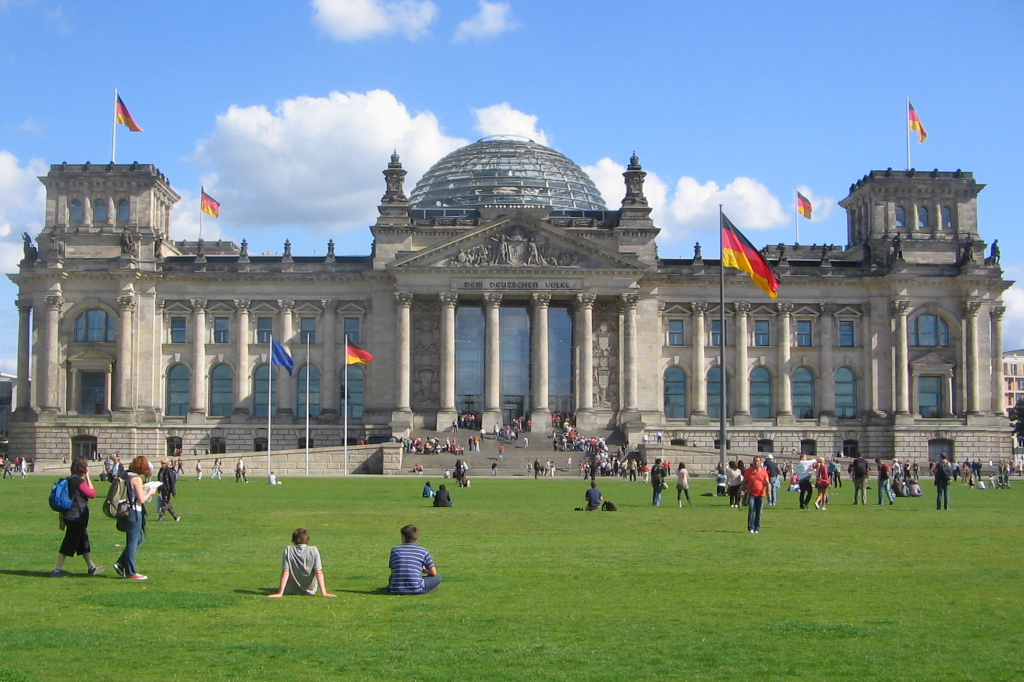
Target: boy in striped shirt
pixel 409 562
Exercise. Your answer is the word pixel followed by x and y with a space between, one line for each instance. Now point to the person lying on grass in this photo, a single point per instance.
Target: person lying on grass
pixel 301 570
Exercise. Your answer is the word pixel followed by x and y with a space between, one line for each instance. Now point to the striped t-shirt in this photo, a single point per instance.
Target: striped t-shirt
pixel 407 564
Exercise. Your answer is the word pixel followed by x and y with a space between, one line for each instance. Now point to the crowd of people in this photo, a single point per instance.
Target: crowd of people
pixel 12 465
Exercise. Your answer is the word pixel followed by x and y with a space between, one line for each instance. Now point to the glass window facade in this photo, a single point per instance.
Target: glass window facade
pixel 675 393
pixel 95 326
pixel 804 335
pixel 929 330
pixel 307 330
pixel 715 392
pixel 947 217
pixel 675 332
pixel 716 332
pixel 178 391
pixel 922 217
pixel 901 216
pixel 760 393
pixel 356 383
pixel 99 211
pixel 264 329
pixel 352 329
pixel 77 214
pixel 222 330
pixel 260 385
pixel 846 329
pixel 803 393
pixel 762 332
pixel 93 395
pixel 560 368
pixel 515 361
pixel 222 391
pixel 846 394
pixel 122 210
pixel 469 359
pixel 179 330
pixel 312 374
pixel 929 397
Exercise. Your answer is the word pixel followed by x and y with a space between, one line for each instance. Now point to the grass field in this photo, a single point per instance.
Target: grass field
pixel 532 590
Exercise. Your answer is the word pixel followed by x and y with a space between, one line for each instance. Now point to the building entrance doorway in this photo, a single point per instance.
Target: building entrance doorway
pixel 512 407
pixel 83 446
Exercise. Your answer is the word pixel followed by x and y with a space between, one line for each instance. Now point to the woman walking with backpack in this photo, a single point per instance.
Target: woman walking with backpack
pixel 134 525
pixel 75 521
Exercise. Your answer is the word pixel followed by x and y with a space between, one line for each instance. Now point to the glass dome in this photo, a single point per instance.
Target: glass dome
pixel 507 171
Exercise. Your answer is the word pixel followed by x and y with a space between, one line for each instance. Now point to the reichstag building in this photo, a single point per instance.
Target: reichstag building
pixel 503 286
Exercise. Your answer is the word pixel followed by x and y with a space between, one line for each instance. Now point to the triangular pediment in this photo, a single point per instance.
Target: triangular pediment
pixel 932 360
pixel 518 241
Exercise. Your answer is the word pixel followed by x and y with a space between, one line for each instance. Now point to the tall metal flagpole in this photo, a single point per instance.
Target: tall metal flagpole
pixel 721 356
pixel 906 125
pixel 307 404
pixel 345 404
pixel 113 144
pixel 270 405
pixel 796 214
pixel 202 191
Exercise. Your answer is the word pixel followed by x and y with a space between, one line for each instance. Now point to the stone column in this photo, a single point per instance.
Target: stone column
pixel 585 307
pixel 900 309
pixel 242 382
pixel 198 399
pixel 785 382
pixel 742 368
pixel 492 360
pixel 971 309
pixel 826 385
pixel 285 400
pixel 629 303
pixel 996 351
pixel 449 299
pixel 24 400
pixel 541 413
pixel 330 395
pixel 700 392
pixel 404 300
pixel 49 363
pixel 125 342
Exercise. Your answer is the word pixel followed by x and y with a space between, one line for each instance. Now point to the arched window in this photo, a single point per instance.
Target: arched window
pixel 261 384
pixel 901 217
pixel 312 374
pixel 356 380
pixel 761 393
pixel 179 389
pixel 99 211
pixel 675 393
pixel 947 217
pixel 922 217
pixel 122 210
pixel 715 393
pixel 803 394
pixel 95 326
pixel 846 394
pixel 222 397
pixel 77 214
pixel 929 330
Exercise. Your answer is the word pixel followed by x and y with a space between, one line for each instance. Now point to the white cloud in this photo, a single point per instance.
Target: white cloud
pixel 351 20
pixel 185 219
pixel 22 201
pixel 493 19
pixel 9 365
pixel 30 125
pixel 502 119
pixel 1013 319
pixel 316 161
pixel 822 207
pixel 607 175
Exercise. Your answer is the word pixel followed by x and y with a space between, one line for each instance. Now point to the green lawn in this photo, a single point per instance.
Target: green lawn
pixel 532 590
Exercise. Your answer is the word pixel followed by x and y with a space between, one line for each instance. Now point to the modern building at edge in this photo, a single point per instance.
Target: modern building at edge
pixel 503 286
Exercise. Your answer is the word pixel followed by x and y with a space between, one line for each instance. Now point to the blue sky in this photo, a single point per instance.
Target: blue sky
pixel 288 110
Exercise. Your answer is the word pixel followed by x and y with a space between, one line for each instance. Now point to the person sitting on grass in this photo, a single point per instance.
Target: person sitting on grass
pixel 428 492
pixel 301 570
pixel 594 497
pixel 442 498
pixel 408 563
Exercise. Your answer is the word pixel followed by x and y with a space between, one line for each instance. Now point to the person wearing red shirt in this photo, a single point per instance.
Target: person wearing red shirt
pixel 755 484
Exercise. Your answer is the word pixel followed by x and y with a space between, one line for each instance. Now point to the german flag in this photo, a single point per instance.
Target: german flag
pixel 356 355
pixel 739 253
pixel 209 205
pixel 803 205
pixel 915 123
pixel 124 117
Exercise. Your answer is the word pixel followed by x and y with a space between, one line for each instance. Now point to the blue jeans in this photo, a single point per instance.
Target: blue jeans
pixel 657 496
pixel 133 539
pixel 430 582
pixel 754 507
pixel 885 488
pixel 942 496
pixel 773 489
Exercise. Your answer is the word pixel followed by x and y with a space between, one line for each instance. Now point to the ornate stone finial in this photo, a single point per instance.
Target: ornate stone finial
pixel 782 254
pixel 200 249
pixel 696 252
pixel 634 176
pixel 56 247
pixel 394 179
pixel 967 250
pixel 897 247
pixel 287 248
pixel 244 251
pixel 330 248
pixel 825 256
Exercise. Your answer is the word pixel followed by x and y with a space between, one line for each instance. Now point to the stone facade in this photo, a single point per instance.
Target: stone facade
pixel 131 341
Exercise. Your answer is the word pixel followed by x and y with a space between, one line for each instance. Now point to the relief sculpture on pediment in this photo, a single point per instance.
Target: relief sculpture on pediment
pixel 517 248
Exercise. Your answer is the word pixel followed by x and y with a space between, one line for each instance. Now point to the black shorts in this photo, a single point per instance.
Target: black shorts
pixel 76 539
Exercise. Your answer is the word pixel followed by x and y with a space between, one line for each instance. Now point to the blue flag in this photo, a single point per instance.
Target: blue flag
pixel 279 356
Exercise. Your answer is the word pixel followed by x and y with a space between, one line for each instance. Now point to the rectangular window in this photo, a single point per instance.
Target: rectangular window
pixel 929 392
pixel 803 333
pixel 179 330
pixel 846 333
pixel 352 329
pixel 264 328
pixel 675 332
pixel 307 330
pixel 716 332
pixel 93 392
pixel 221 330
pixel 762 332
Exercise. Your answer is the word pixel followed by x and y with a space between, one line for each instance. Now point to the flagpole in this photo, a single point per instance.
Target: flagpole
pixel 270 411
pixel 796 215
pixel 907 126
pixel 721 338
pixel 307 404
pixel 113 137
pixel 202 191
pixel 345 404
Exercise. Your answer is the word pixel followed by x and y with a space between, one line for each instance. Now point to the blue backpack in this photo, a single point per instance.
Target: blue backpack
pixel 60 496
